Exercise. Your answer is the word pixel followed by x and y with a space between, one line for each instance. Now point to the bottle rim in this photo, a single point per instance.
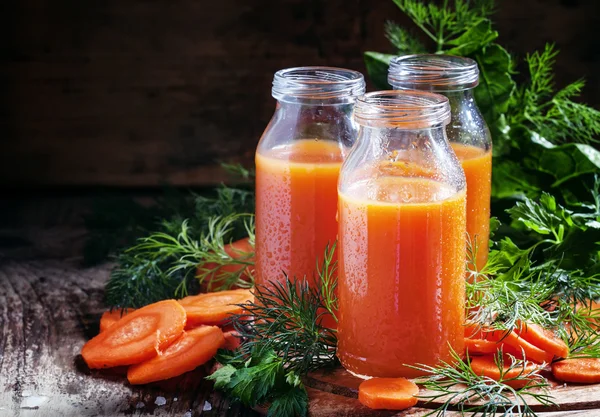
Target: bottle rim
pixel 433 72
pixel 402 109
pixel 317 83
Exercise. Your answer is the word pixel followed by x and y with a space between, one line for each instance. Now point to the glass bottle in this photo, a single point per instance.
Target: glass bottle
pixel 298 160
pixel 456 77
pixel 402 225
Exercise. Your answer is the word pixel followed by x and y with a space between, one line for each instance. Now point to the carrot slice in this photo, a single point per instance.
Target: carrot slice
pixel 214 307
pixel 480 346
pixel 192 349
pixel 238 249
pixel 137 337
pixel 579 370
pixel 543 339
pixel 388 393
pixel 473 331
pixel 519 346
pixel 232 340
pixel 486 366
pixel 111 317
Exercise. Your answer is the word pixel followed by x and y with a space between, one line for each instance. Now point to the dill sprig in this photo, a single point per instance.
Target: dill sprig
pixel 553 114
pixel 287 317
pixel 459 387
pixel 205 255
pixel 163 265
pixel 284 338
pixel 444 23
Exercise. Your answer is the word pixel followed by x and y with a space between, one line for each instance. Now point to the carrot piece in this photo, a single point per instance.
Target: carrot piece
pixel 137 337
pixel 480 346
pixel 486 366
pixel 192 349
pixel 473 331
pixel 579 370
pixel 519 346
pixel 543 339
pixel 232 340
pixel 214 307
pixel 388 393
pixel 238 249
pixel 111 317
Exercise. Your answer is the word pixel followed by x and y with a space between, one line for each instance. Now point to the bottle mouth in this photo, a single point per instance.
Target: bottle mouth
pixel 317 85
pixel 402 109
pixel 430 72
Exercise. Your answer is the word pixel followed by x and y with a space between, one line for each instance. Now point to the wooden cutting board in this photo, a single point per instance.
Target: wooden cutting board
pixel 335 393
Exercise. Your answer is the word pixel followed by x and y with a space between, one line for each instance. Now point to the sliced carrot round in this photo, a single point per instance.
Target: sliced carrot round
pixel 388 393
pixel 192 349
pixel 486 366
pixel 232 340
pixel 578 370
pixel 136 337
pixel 111 317
pixel 214 307
pixel 240 249
pixel 543 339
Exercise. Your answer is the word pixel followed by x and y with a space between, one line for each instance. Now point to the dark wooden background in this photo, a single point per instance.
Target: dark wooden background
pixel 138 93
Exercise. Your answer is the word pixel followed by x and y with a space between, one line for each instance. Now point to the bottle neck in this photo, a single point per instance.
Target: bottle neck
pixel 295 120
pixel 467 124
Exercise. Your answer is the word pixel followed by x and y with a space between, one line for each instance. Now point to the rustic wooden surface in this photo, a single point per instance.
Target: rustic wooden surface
pixel 566 396
pixel 50 305
pixel 48 309
pixel 136 93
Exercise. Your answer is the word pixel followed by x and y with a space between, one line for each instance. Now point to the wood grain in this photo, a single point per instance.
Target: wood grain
pixel 139 93
pixel 566 396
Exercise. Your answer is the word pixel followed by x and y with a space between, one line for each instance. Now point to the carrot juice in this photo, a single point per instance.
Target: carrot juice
pixel 477 164
pixel 296 204
pixel 401 279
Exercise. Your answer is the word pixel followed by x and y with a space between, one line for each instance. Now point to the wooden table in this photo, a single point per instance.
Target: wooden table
pixel 50 305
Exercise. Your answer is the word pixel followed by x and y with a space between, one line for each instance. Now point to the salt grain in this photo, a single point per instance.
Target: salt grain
pixel 140 405
pixel 160 401
pixel 188 414
pixel 207 406
pixel 33 402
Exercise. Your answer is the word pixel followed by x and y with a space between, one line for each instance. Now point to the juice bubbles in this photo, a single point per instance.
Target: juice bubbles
pixel 296 205
pixel 298 160
pixel 409 244
pixel 477 164
pixel 456 77
pixel 402 227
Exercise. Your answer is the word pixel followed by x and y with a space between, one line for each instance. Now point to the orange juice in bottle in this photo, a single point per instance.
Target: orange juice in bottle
pixel 298 161
pixel 402 226
pixel 456 77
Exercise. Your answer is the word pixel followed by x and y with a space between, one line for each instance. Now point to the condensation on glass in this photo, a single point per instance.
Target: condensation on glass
pixel 297 166
pixel 456 77
pixel 402 226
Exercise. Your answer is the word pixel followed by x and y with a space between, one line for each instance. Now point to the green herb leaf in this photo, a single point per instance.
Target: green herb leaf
pixel 222 376
pixel 292 403
pixel 377 67
pixel 496 84
pixel 477 37
pixel 404 41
